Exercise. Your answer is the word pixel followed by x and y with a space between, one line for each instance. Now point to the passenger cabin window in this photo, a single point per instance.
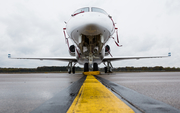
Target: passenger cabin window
pixel 82 10
pixel 95 9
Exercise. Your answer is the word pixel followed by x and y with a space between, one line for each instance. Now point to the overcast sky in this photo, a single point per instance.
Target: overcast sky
pixel 33 28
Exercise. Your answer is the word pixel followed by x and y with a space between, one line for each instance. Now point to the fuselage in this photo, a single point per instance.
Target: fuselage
pixel 90 28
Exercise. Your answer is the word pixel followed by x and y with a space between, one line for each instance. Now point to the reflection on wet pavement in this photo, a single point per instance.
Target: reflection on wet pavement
pixel 21 93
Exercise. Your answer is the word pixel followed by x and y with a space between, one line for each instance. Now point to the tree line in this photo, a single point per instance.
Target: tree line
pixel 65 68
pixel 38 69
pixel 145 69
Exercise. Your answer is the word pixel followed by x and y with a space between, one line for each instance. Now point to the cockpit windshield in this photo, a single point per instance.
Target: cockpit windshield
pixel 85 9
pixel 95 9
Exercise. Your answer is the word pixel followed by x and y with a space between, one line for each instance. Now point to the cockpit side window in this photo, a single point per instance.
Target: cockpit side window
pixel 82 10
pixel 95 9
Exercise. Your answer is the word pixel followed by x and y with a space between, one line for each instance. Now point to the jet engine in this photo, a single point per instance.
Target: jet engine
pixel 107 50
pixel 72 50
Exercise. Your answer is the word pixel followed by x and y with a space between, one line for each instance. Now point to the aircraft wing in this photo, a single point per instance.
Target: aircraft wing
pixel 128 58
pixel 66 59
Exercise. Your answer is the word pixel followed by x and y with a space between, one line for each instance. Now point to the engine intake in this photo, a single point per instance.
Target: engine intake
pixel 107 50
pixel 72 50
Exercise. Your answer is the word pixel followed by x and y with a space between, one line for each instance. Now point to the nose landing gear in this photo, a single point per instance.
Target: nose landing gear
pixel 86 67
pixel 95 67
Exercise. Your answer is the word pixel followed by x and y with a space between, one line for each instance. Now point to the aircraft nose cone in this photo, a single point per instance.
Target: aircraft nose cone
pixel 90 23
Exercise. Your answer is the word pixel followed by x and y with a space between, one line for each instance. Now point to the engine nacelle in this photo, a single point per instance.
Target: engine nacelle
pixel 107 50
pixel 72 50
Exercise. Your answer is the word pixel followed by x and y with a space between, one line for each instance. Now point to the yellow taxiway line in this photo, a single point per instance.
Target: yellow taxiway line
pixel 92 73
pixel 94 97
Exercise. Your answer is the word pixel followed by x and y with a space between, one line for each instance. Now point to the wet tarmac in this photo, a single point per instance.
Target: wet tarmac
pixel 23 93
pixel 162 86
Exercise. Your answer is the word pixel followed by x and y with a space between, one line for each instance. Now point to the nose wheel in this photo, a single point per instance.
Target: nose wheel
pixel 95 67
pixel 86 67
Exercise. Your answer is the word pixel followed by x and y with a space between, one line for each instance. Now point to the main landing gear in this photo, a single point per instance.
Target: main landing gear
pixel 71 69
pixel 108 68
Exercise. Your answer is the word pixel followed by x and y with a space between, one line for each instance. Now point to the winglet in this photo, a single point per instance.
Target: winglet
pixel 9 55
pixel 169 54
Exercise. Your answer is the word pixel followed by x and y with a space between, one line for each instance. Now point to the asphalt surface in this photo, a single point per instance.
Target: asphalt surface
pixel 138 102
pixel 23 93
pixel 61 102
pixel 162 86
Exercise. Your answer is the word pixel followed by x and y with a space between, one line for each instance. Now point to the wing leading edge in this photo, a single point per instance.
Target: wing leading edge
pixel 128 58
pixel 73 59
pixel 66 59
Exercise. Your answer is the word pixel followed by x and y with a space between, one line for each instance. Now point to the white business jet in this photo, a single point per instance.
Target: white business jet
pixel 90 28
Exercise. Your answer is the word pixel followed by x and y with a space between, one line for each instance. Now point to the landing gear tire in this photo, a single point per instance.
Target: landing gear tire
pixel 86 67
pixel 95 67
pixel 73 70
pixel 105 69
pixel 69 71
pixel 110 70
